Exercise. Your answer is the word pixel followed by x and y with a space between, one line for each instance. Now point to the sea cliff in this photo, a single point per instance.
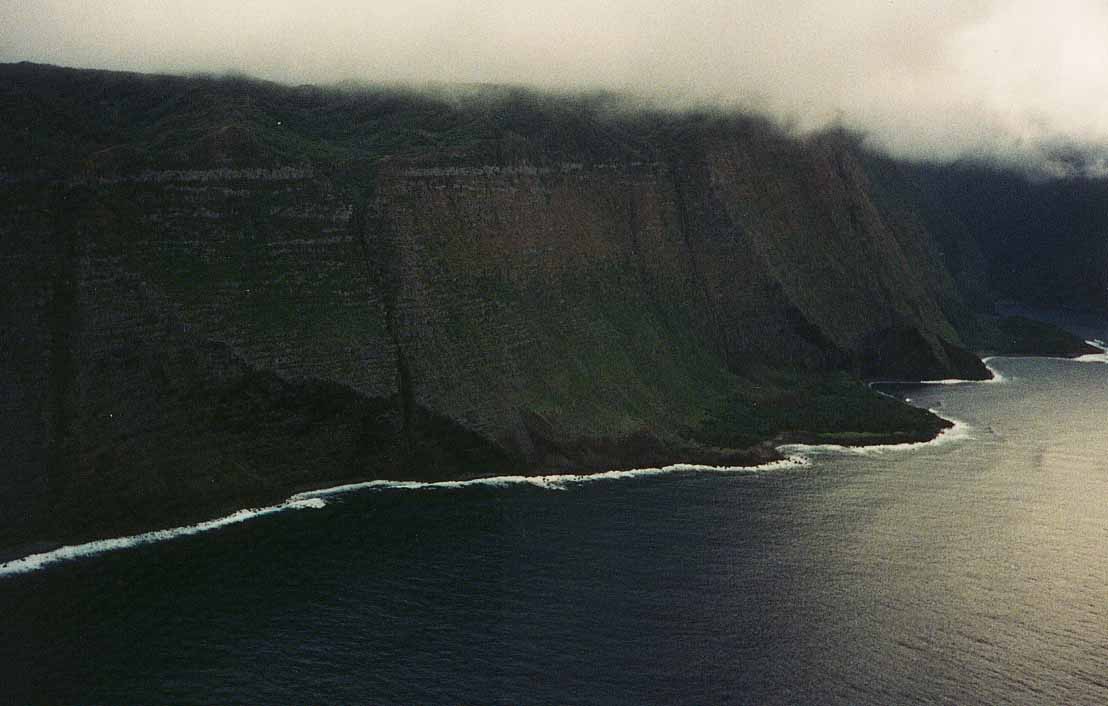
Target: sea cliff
pixel 217 292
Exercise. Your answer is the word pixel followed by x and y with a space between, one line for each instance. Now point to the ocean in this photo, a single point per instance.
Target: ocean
pixel 970 570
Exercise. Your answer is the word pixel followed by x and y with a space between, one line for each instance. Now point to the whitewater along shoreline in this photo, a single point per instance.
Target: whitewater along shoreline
pixel 33 557
pixel 785 451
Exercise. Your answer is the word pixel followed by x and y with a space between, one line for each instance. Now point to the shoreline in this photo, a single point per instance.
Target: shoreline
pixel 316 500
pixel 790 451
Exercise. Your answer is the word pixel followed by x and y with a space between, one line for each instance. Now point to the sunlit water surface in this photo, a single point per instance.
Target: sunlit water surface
pixel 971 572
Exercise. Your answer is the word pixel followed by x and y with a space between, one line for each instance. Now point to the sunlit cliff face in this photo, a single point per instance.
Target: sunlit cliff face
pixel 1017 80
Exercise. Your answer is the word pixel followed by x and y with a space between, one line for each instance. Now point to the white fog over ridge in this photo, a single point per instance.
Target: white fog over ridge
pixel 1018 81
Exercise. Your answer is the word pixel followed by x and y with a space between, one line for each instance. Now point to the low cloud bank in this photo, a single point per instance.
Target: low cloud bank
pixel 1017 81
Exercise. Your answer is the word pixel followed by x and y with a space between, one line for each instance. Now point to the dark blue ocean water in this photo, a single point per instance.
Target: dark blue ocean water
pixel 970 572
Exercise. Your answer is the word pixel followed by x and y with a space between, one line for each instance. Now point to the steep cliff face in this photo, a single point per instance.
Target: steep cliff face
pixel 578 300
pixel 230 290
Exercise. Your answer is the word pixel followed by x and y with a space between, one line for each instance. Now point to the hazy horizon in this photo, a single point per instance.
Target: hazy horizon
pixel 1019 81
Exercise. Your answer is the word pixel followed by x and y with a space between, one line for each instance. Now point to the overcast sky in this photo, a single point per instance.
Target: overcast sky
pixel 927 78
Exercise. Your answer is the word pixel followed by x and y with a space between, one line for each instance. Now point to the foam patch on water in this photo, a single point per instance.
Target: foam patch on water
pixel 549 482
pixel 960 431
pixel 35 562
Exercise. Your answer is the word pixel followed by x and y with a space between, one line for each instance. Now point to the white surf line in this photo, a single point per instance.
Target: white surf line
pixel 315 499
pixel 34 562
pixel 548 482
pixel 960 431
pixel 997 378
pixel 1101 357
